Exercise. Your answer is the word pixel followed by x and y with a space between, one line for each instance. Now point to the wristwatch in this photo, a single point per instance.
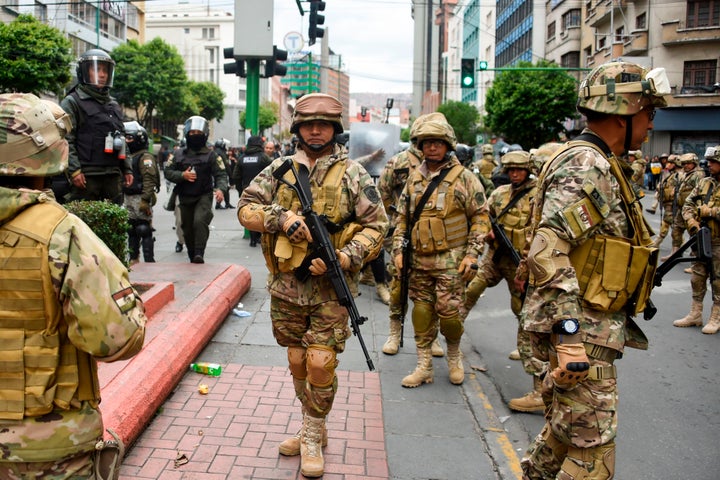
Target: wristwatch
pixel 569 326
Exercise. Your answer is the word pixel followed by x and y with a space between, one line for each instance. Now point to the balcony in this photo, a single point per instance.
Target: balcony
pixel 607 54
pixel 569 35
pixel 675 33
pixel 636 43
pixel 600 14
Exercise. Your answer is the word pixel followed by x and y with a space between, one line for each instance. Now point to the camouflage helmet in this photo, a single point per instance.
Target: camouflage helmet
pixel 543 153
pixel 622 88
pixel 438 129
pixel 487 149
pixel 317 106
pixel 635 153
pixel 32 136
pixel 663 155
pixel 686 158
pixel 674 159
pixel 713 153
pixel 435 116
pixel 517 159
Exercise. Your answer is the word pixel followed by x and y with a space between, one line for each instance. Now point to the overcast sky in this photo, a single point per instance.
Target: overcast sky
pixel 374 37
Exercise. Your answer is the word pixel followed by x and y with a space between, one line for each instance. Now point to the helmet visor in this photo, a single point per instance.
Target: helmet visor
pixel 97 72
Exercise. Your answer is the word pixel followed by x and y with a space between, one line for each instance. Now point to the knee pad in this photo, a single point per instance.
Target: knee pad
pixel 475 288
pixel 451 327
pixel 544 457
pixel 321 364
pixel 143 229
pixel 594 463
pixel 297 357
pixel 422 317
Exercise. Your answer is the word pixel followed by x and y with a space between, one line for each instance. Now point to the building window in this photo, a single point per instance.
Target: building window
pixel 570 60
pixel 588 54
pixel 703 13
pixel 551 31
pixel 41 12
pixel 601 42
pixel 208 33
pixel 620 34
pixel 699 73
pixel 211 55
pixel 641 21
pixel 571 18
pixel 186 31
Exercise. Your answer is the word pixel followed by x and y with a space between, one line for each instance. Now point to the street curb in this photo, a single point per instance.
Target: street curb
pixel 131 398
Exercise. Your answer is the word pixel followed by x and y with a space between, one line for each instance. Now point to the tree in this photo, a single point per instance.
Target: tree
pixel 529 107
pixel 464 118
pixel 34 57
pixel 150 78
pixel 209 100
pixel 268 115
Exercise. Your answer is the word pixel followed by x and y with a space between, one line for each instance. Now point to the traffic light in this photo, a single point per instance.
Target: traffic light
pixel 467 73
pixel 482 65
pixel 316 19
pixel 235 68
pixel 272 67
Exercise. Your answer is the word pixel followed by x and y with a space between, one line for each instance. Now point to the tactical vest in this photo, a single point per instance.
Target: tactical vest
pixel 136 188
pixel 202 162
pixel 40 368
pixel 281 255
pixel 92 130
pixel 668 187
pixel 709 194
pixel 515 221
pixel 613 273
pixel 687 184
pixel 442 225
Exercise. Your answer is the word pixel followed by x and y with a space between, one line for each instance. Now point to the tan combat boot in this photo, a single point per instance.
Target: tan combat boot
pixel 692 319
pixel 531 401
pixel 713 325
pixel 366 277
pixel 291 446
pixel 392 344
pixel 423 372
pixel 674 249
pixel 436 348
pixel 312 463
pixel 455 363
pixel 514 355
pixel 383 293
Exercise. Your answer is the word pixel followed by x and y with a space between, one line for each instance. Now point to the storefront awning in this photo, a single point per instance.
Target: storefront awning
pixel 687 119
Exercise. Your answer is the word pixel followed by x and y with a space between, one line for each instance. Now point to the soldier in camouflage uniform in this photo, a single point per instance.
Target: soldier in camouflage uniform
pixel 665 196
pixel 703 207
pixel 447 238
pixel 200 176
pixel 509 205
pixel 487 163
pixel 390 185
pixel 690 178
pixel 586 214
pixel 67 302
pixel 140 195
pixel 638 165
pixel 306 316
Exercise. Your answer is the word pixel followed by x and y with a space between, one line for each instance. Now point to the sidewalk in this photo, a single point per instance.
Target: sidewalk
pixel 377 429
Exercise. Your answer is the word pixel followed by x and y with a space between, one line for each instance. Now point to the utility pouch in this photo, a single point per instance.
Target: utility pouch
pixel 108 457
pixel 289 255
pixel 429 236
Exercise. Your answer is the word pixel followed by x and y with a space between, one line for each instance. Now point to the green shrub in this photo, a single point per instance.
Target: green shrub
pixel 109 222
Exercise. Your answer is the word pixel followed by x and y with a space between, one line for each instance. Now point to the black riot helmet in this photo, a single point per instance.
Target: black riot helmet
pixel 196 132
pixel 136 136
pixel 465 154
pixel 95 68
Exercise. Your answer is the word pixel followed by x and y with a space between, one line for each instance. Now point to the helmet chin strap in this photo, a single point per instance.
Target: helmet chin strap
pixel 628 134
pixel 315 148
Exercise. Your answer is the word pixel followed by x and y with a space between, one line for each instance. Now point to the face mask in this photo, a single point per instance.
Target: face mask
pixel 195 142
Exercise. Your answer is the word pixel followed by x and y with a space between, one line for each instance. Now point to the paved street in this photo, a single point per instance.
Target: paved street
pixel 667 412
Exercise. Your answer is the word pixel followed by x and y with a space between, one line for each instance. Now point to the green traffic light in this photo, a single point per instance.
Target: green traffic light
pixel 482 65
pixel 467 81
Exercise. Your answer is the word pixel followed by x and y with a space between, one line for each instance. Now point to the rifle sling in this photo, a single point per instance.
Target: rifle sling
pixel 512 202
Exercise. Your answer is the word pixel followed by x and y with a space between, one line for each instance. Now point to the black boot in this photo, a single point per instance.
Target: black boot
pixel 198 256
pixel 148 248
pixel 178 247
pixel 133 244
pixel 190 253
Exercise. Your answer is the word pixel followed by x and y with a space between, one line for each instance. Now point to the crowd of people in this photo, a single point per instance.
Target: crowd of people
pixel 543 220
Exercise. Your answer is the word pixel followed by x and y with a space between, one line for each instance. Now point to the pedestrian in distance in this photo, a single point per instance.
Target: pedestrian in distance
pixel 306 316
pixel 702 207
pixel 586 214
pixel 221 150
pixel 200 176
pixel 67 303
pixel 250 163
pixel 99 166
pixel 665 195
pixel 441 214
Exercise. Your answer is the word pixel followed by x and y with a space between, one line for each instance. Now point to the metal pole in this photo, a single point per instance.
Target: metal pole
pixel 252 104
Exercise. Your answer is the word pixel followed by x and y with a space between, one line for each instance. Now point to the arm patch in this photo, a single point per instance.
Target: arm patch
pixel 372 194
pixel 580 217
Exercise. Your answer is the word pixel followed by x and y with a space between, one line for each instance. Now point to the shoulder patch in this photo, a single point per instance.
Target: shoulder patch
pixel 148 162
pixel 372 194
pixel 125 299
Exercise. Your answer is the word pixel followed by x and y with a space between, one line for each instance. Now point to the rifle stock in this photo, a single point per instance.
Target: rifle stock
pixel 324 249
pixel 701 241
pixel 504 242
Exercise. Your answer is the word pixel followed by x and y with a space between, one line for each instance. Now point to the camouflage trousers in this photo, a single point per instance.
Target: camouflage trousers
pixel 700 276
pixel 306 325
pixel 76 467
pixel 666 221
pixel 436 296
pixel 582 417
pixel 678 228
pixel 489 275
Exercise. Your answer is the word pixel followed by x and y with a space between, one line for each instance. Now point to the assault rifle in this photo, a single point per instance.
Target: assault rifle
pixel 700 242
pixel 323 248
pixel 405 273
pixel 504 243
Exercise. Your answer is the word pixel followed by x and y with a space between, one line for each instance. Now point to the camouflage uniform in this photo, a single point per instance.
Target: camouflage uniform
pixel 703 207
pixel 438 258
pixel 687 181
pixel 586 212
pixel 665 196
pixel 77 306
pixel 306 316
pixel 486 164
pixel 638 165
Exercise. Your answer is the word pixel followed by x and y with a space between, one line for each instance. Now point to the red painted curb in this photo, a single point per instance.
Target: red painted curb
pixel 133 395
pixel 157 296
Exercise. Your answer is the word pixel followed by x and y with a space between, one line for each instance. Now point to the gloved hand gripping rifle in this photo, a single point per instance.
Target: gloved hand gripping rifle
pixel 323 248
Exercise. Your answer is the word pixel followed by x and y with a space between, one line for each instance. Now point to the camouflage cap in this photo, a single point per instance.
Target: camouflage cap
pixel 635 153
pixel 317 106
pixel 487 149
pixel 713 153
pixel 517 159
pixel 32 136
pixel 435 117
pixel 663 155
pixel 543 153
pixel 688 158
pixel 436 129
pixel 622 88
